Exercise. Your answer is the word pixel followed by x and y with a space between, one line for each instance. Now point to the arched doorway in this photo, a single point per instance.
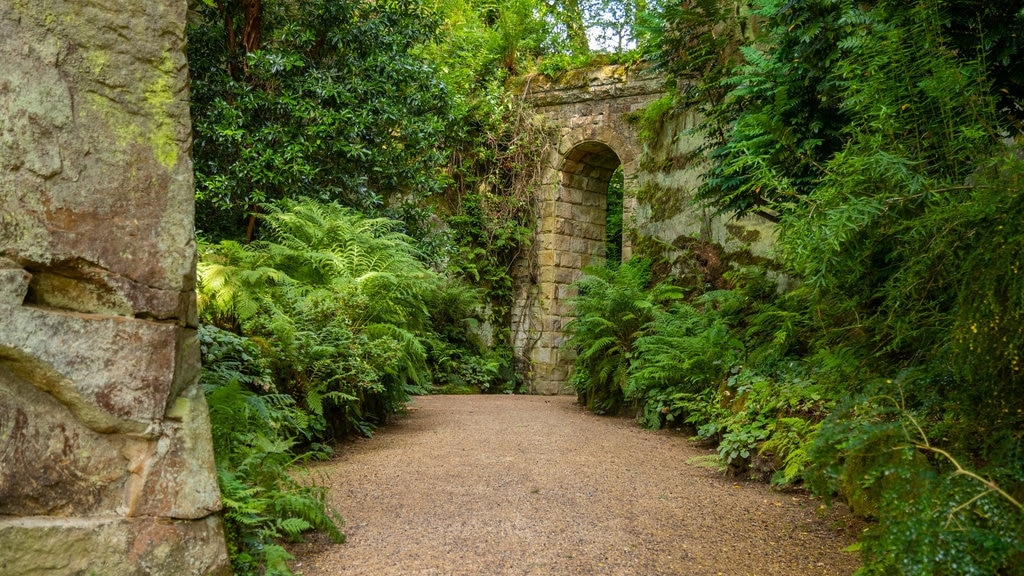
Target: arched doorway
pixel 572 235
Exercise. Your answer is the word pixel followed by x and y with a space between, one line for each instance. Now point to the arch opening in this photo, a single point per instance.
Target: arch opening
pixel 574 233
pixel 590 200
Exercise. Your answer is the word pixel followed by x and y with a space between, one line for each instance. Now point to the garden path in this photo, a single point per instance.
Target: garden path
pixel 531 485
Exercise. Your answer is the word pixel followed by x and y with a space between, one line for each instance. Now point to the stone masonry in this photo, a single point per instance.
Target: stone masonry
pixel 106 463
pixel 593 137
pixel 590 112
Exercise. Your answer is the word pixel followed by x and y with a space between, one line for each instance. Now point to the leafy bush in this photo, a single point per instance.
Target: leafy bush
pixel 336 300
pixel 255 436
pixel 343 310
pixel 329 100
pixel 612 308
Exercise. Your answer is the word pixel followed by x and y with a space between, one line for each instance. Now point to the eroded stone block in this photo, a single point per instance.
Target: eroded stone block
pixel 178 478
pixel 113 373
pixel 49 462
pixel 112 547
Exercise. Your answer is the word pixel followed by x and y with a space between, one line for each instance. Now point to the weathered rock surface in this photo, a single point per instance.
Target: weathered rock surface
pixel 112 547
pixel 106 463
pixel 94 98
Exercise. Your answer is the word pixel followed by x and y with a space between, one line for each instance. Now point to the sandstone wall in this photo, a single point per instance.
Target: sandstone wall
pixel 593 115
pixel 106 462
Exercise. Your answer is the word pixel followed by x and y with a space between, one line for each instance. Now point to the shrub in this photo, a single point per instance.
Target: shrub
pixel 255 436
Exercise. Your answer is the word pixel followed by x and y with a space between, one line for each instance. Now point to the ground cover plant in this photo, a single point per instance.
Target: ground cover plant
pixel 321 329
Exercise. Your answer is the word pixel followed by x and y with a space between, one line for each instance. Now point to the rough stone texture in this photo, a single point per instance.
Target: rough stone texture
pixel 593 135
pixel 106 461
pixel 112 547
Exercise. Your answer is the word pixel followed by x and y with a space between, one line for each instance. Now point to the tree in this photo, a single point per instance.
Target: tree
pixel 327 100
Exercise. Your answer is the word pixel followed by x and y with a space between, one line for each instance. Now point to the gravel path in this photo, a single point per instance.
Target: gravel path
pixel 531 485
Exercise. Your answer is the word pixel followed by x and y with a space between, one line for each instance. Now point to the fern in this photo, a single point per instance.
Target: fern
pixel 254 445
pixel 612 309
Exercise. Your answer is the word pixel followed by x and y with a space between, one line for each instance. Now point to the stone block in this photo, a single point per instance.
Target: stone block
pixel 545 340
pixel 49 462
pixel 594 231
pixel 542 356
pixel 558 308
pixel 565 210
pixel 178 478
pixel 595 199
pixel 599 185
pixel 553 324
pixel 113 373
pixel 547 275
pixel 571 166
pixel 546 224
pixel 579 245
pixel 563 242
pixel 571 260
pixel 547 257
pixel 13 286
pixel 589 214
pixel 112 547
pixel 548 291
pixel 579 181
pixel 566 275
pixel 565 226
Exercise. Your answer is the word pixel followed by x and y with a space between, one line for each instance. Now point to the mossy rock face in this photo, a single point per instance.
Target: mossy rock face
pixel 106 463
pixel 96 139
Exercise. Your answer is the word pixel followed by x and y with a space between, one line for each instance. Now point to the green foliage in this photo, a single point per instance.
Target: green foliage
pixel 488 209
pixel 718 362
pixel 613 219
pixel 326 100
pixel 341 307
pixel 686 348
pixel 936 514
pixel 336 321
pixel 884 138
pixel 254 436
pixel 612 308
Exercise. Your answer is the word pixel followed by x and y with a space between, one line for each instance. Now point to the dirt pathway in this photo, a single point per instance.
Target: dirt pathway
pixel 530 485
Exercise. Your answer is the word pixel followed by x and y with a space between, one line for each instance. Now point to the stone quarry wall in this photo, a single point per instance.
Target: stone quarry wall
pixel 106 462
pixel 593 116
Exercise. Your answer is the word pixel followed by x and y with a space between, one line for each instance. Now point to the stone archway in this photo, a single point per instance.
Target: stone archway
pixel 572 235
pixel 595 137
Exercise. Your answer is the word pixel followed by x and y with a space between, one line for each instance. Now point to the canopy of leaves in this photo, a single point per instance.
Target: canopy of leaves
pixel 331 102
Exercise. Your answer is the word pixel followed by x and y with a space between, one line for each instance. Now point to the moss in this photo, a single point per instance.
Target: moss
pixel 651 118
pixel 156 128
pixel 742 234
pixel 97 60
pixel 665 202
pixel 159 97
